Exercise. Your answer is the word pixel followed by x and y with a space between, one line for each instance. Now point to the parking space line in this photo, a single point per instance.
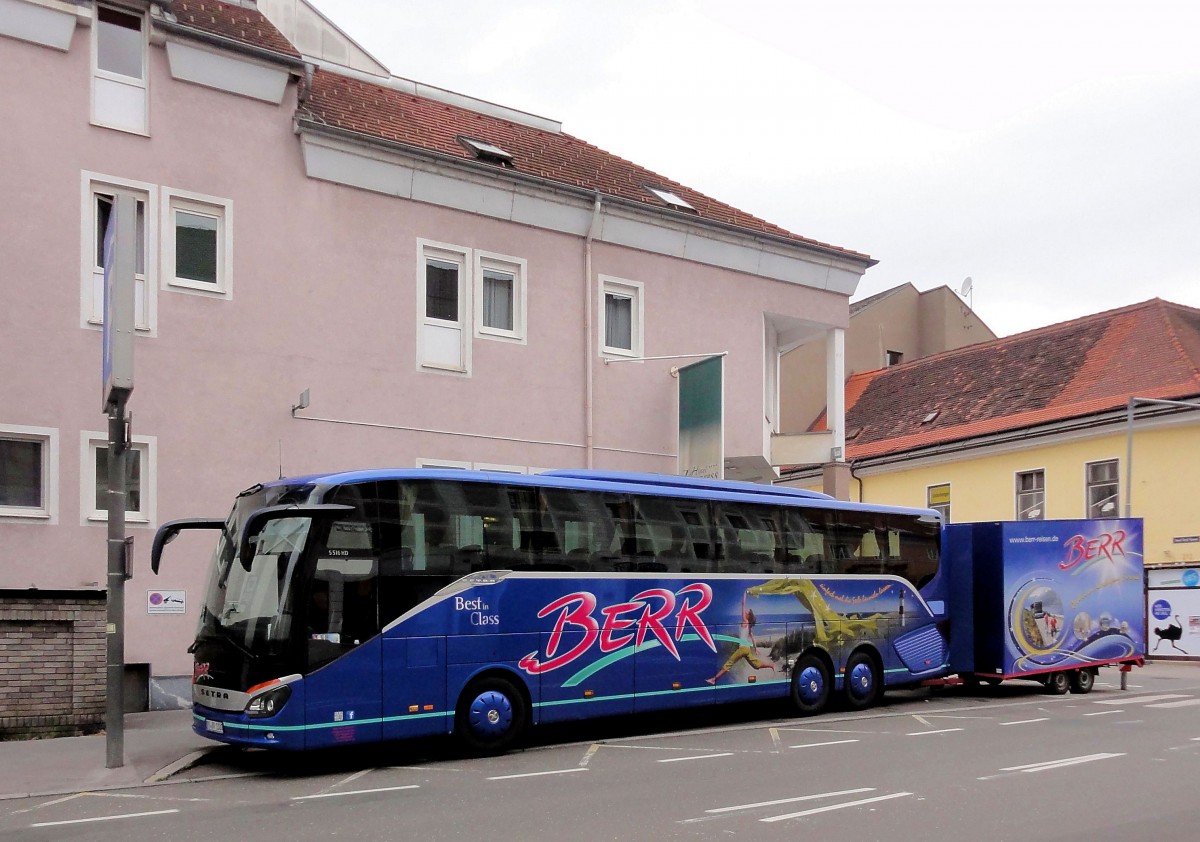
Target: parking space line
pixel 1186 703
pixel 1059 764
pixel 1103 712
pixel 830 807
pixel 353 792
pixel 779 801
pixel 696 757
pixel 1027 721
pixel 104 818
pixel 537 774
pixel 818 745
pixel 1140 700
pixel 923 733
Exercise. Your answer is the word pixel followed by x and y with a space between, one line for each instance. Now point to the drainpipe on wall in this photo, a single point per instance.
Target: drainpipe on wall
pixel 589 358
pixel 853 464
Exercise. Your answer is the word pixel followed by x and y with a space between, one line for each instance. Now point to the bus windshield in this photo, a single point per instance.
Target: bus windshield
pixel 249 601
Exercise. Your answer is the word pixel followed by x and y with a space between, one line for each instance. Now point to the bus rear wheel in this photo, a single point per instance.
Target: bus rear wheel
pixel 491 716
pixel 861 681
pixel 1082 681
pixel 810 685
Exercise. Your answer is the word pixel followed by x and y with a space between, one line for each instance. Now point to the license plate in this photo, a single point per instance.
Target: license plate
pixel 214 726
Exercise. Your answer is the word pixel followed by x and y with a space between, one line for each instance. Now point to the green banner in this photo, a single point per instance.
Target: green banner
pixel 702 419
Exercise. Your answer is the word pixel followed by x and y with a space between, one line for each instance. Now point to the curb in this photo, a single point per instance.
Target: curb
pixel 183 763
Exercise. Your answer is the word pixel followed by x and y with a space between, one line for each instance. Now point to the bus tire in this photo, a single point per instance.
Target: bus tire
pixel 1058 683
pixel 491 716
pixel 1082 681
pixel 860 683
pixel 810 685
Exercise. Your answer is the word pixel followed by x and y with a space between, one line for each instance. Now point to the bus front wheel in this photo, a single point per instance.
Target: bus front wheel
pixel 810 685
pixel 491 716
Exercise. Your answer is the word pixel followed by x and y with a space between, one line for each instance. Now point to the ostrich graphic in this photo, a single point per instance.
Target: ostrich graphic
pixel 1170 633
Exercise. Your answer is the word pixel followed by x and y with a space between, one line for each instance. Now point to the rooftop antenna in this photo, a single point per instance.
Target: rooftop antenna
pixel 967 291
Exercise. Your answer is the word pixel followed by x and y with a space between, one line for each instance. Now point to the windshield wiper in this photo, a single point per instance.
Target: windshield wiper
pixel 224 638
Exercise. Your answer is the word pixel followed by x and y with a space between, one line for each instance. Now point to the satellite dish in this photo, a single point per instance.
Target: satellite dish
pixel 967 285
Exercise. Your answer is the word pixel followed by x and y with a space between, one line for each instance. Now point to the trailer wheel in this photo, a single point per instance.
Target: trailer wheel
pixel 810 685
pixel 861 681
pixel 1082 681
pixel 1058 683
pixel 491 716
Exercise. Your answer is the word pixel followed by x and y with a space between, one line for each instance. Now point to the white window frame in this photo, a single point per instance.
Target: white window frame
pixel 940 506
pixel 1017 493
pixel 451 464
pixel 461 256
pixel 475 466
pixel 1087 488
pixel 90 441
pixel 91 285
pixel 102 78
pixel 515 266
pixel 626 289
pixel 48 438
pixel 174 200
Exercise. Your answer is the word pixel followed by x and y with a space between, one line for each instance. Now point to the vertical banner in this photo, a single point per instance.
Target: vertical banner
pixel 120 258
pixel 702 419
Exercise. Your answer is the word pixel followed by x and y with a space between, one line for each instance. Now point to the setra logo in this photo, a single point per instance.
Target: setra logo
pixel 200 672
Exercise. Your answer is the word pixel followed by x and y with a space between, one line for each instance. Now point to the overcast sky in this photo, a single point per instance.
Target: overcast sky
pixel 1050 150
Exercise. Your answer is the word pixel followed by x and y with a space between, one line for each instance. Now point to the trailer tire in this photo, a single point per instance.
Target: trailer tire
pixel 1058 683
pixel 1082 681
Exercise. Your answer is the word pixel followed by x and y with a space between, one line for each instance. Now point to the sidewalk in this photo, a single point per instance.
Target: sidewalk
pixel 157 744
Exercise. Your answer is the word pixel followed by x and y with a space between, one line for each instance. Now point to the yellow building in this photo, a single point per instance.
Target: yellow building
pixel 1038 426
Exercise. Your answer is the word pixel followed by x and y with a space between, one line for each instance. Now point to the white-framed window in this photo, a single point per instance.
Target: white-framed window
pixel 1103 489
pixel 443 291
pixel 140 478
pixel 120 53
pixel 937 497
pixel 452 464
pixel 621 317
pixel 197 233
pixel 28 473
pixel 98 193
pixel 475 466
pixel 500 297
pixel 1031 495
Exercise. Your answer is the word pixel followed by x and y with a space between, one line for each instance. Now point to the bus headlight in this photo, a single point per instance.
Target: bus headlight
pixel 269 703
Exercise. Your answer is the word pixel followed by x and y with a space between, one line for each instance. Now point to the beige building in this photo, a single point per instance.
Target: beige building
pixel 897 325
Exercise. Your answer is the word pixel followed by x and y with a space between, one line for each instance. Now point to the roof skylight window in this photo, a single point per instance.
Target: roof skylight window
pixel 928 418
pixel 671 198
pixel 485 151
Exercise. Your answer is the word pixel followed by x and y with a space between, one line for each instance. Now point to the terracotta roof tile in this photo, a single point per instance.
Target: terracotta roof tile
pixel 1056 373
pixel 399 117
pixel 238 23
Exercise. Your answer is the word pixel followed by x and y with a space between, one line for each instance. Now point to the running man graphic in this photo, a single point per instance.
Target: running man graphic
pixel 746 651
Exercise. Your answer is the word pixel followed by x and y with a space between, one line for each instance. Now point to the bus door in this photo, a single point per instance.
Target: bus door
pixel 341 644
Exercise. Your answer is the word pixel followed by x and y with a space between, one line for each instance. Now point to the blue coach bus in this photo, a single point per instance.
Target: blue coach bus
pixel 377 605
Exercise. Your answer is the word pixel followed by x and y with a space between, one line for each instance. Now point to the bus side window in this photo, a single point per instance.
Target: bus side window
pixel 803 545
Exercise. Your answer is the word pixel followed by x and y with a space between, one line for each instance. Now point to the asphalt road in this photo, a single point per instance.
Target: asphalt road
pixel 1009 763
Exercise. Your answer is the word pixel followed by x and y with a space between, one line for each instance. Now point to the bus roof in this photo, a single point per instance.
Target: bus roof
pixel 612 481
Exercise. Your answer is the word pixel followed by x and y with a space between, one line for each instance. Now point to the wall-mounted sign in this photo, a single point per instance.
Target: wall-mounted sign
pixel 165 602
pixel 1186 539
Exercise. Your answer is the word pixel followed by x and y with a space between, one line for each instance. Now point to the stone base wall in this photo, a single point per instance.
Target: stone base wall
pixel 52 663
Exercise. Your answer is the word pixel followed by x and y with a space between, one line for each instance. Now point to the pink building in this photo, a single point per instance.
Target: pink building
pixel 450 282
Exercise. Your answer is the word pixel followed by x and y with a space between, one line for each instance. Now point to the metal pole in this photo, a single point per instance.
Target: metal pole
pixel 1129 462
pixel 114 713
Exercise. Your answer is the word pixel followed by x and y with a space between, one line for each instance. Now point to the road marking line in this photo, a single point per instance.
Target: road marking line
pixel 1026 721
pixel 830 743
pixel 829 730
pixel 536 774
pixel 1187 703
pixel 922 720
pixel 1058 764
pixel 589 754
pixel 48 803
pixel 1140 700
pixel 105 818
pixel 791 800
pixel 697 757
pixel 775 741
pixel 816 810
pixel 1103 712
pixel 353 792
pixel 923 733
